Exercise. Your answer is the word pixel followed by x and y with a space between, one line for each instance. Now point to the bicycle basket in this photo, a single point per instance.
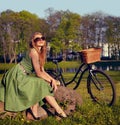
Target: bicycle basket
pixel 90 55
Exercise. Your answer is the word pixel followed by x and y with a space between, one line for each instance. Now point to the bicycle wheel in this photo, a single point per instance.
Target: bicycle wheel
pixel 101 88
pixel 54 74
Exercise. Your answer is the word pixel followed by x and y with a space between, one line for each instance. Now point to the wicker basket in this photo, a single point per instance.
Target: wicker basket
pixel 91 55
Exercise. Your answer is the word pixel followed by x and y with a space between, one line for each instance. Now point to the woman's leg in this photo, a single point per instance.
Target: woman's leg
pixel 51 100
pixel 32 112
pixel 34 109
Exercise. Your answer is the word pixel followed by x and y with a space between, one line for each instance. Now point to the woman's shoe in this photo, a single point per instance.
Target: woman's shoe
pixel 29 112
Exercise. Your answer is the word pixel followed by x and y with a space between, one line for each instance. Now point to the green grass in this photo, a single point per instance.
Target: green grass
pixel 88 113
pixel 5 66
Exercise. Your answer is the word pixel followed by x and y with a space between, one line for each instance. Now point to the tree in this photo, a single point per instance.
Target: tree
pixel 15 31
pixel 113 36
pixel 65 25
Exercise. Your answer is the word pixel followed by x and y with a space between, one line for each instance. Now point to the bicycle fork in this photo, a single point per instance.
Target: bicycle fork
pixel 96 81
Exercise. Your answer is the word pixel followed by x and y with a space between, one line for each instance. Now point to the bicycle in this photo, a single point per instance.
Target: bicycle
pixel 99 84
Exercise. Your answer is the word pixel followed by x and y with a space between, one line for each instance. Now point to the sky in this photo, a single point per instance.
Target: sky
pixel 81 7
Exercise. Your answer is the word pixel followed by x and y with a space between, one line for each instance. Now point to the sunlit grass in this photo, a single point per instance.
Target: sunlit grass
pixel 88 113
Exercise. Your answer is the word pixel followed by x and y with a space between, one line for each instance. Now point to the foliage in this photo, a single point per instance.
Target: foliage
pixel 63 64
pixel 56 46
pixel 6 66
pixel 66 31
pixel 15 32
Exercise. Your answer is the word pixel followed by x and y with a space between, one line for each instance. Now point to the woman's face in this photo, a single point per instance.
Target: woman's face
pixel 39 41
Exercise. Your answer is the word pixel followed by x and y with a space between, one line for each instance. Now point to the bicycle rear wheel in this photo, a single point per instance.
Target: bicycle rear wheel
pixel 101 88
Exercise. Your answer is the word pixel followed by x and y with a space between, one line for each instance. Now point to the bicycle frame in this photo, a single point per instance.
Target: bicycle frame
pixel 95 85
pixel 80 71
pixel 99 84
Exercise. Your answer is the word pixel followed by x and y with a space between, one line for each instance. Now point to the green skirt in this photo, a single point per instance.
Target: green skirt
pixel 20 91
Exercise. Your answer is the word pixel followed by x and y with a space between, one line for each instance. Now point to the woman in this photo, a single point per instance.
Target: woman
pixel 20 91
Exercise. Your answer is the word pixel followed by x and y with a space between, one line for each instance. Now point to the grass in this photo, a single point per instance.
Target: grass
pixel 88 114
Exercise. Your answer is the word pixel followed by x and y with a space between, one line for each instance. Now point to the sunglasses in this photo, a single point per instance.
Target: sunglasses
pixel 39 39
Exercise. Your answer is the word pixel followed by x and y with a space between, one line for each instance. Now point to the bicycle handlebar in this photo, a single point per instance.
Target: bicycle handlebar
pixel 55 60
pixel 59 59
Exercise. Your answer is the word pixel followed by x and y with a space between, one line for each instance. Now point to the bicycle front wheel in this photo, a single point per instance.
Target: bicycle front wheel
pixel 101 88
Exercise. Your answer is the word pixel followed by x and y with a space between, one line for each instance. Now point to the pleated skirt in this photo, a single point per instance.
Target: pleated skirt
pixel 20 91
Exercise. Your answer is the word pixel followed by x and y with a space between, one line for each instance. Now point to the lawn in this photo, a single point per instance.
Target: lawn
pixel 88 114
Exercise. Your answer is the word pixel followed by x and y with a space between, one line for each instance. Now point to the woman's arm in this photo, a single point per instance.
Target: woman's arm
pixel 57 82
pixel 42 74
pixel 35 61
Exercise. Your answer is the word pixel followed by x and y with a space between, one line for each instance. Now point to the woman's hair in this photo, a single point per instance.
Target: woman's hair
pixel 42 53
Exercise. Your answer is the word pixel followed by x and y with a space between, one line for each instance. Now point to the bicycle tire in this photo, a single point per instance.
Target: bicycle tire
pixel 101 88
pixel 54 74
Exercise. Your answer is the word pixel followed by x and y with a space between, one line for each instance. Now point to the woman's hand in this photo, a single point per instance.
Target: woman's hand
pixel 54 84
pixel 57 82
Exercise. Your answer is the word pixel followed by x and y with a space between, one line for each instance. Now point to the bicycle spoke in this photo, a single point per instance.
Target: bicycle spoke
pixel 101 88
pixel 97 82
